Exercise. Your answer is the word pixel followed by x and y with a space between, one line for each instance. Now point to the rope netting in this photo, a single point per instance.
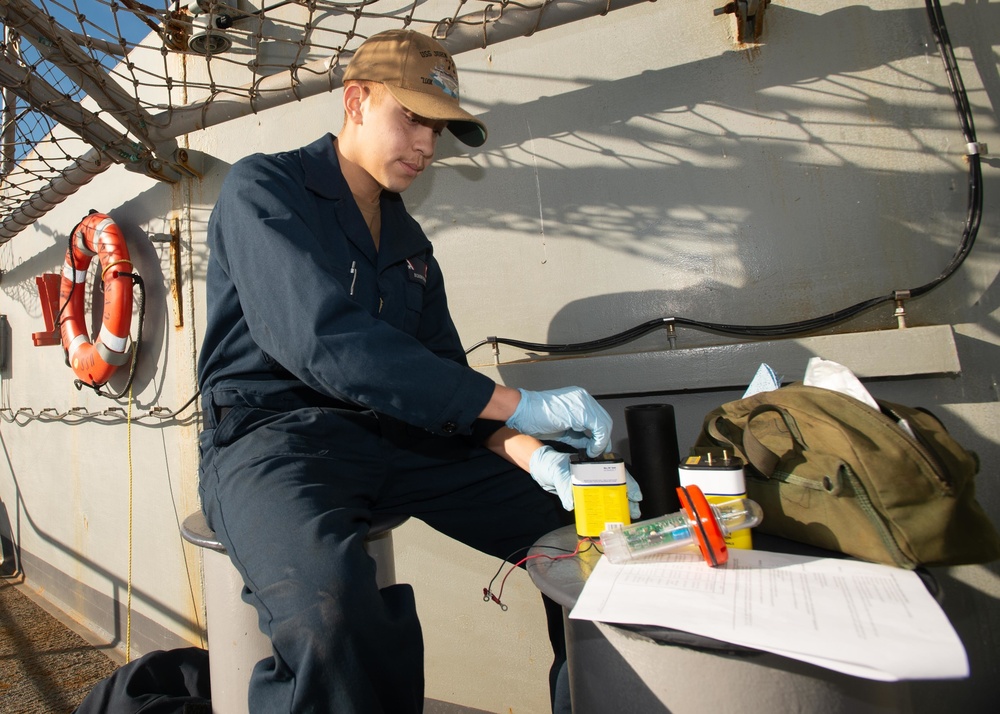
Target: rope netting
pixel 91 83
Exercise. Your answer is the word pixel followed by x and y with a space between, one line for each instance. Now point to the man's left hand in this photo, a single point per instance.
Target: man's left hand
pixel 550 469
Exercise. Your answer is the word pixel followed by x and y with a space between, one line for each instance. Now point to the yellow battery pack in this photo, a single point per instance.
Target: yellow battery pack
pixel 721 480
pixel 599 493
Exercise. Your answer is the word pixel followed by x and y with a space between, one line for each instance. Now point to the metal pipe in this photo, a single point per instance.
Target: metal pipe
pixel 41 95
pixel 62 48
pixel 9 139
pixel 72 179
pixel 472 31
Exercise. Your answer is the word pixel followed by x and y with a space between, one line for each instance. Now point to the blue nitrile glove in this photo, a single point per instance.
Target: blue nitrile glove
pixel 569 415
pixel 550 469
pixel 634 494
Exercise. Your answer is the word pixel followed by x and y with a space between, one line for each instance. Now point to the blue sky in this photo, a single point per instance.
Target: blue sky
pixel 32 126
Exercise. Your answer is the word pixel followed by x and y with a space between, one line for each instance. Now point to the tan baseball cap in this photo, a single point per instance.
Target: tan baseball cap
pixel 421 75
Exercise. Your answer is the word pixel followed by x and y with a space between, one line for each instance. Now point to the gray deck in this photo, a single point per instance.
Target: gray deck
pixel 48 668
pixel 45 667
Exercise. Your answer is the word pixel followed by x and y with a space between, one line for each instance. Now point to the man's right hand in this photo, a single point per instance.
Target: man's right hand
pixel 569 415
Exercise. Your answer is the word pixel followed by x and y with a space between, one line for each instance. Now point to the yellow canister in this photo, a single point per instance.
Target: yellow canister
pixel 599 493
pixel 721 479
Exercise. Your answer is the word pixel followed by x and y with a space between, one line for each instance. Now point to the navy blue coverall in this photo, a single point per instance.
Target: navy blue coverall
pixel 335 387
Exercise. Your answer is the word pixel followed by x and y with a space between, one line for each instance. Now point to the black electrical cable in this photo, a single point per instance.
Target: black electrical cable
pixel 72 264
pixel 961 98
pixel 969 233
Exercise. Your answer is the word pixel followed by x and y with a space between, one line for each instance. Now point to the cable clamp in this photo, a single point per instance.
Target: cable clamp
pixel 974 148
pixel 900 296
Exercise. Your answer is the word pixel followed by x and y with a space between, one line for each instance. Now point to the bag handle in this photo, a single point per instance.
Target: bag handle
pixel 758 455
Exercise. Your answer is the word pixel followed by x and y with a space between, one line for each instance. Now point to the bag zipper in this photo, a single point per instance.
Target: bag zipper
pixel 864 501
pixel 893 420
pixel 921 443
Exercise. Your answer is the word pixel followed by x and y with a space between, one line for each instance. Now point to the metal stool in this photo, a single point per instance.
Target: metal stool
pixel 236 643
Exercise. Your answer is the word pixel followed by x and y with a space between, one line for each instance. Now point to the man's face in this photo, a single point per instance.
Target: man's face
pixel 395 145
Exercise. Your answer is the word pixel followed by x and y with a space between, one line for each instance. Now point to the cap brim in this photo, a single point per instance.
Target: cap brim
pixel 466 128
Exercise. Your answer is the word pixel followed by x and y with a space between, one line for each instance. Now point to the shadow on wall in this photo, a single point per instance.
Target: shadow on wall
pixel 150 253
pixel 975 386
pixel 19 280
pixel 650 215
pixel 753 218
pixel 117 625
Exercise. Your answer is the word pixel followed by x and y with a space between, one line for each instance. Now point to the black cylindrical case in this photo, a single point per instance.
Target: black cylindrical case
pixel 652 436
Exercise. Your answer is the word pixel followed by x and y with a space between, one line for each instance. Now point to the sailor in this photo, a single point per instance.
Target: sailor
pixel 336 389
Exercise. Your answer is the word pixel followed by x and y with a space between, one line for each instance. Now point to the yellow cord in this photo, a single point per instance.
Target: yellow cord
pixel 111 265
pixel 128 606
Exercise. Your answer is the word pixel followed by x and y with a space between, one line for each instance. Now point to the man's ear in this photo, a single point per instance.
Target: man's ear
pixel 354 95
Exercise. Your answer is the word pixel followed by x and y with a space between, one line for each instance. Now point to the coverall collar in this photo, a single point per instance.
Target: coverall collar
pixel 322 169
pixel 324 178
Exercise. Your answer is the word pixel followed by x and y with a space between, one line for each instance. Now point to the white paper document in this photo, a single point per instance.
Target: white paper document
pixel 863 619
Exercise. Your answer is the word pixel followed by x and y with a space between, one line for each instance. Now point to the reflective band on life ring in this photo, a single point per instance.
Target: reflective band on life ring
pixel 94 363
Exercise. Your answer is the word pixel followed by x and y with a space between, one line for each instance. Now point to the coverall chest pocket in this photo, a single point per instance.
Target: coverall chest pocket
pixel 413 294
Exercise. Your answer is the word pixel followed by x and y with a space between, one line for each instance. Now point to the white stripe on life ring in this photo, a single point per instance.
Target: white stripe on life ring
pixel 78 276
pixel 80 241
pixel 112 341
pixel 75 345
pixel 100 228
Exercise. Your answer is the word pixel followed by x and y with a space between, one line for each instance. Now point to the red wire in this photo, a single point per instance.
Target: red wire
pixel 589 541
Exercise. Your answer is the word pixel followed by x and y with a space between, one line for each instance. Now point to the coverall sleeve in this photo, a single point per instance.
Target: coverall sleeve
pixel 441 336
pixel 299 313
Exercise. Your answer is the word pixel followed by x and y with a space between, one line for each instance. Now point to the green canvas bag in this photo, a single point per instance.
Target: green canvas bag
pixel 831 471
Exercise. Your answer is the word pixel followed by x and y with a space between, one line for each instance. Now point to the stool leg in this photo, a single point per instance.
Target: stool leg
pixel 236 643
pixel 380 549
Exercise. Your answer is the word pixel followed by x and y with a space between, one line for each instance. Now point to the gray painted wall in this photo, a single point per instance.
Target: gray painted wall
pixel 639 166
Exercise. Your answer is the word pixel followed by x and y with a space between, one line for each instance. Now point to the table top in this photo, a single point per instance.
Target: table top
pixel 563 579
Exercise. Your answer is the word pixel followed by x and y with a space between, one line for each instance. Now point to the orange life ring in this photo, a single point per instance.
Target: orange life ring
pixel 94 363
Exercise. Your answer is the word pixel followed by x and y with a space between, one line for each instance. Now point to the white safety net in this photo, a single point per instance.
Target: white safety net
pixel 90 83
